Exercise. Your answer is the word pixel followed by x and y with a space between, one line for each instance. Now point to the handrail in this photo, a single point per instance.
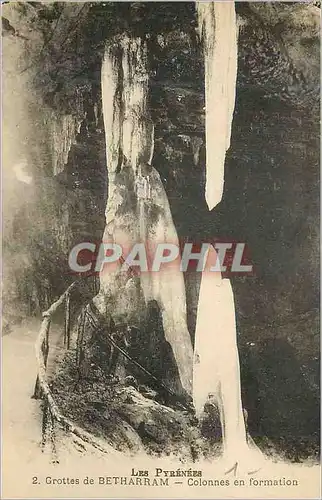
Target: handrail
pixel 51 412
pixel 53 308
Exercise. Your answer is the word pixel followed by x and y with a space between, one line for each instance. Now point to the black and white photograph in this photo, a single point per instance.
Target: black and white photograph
pixel 161 249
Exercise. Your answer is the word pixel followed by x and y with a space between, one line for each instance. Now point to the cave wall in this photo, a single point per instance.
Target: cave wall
pixel 271 194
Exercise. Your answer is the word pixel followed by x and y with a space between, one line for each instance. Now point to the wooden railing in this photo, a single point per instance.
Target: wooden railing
pixel 52 416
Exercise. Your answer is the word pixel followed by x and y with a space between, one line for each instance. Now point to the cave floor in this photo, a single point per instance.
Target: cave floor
pixel 21 422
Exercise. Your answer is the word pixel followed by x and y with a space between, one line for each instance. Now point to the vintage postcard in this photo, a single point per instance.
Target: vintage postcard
pixel 160 250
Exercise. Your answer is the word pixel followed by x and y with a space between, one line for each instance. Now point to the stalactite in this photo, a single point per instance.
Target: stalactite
pixel 218 32
pixel 63 131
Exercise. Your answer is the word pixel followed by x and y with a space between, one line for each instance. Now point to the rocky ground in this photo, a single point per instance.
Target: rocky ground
pixel 21 421
pixel 131 417
pixel 135 418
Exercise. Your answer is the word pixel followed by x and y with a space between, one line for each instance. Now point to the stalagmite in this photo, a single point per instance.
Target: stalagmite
pixel 137 208
pixel 218 32
pixel 216 374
